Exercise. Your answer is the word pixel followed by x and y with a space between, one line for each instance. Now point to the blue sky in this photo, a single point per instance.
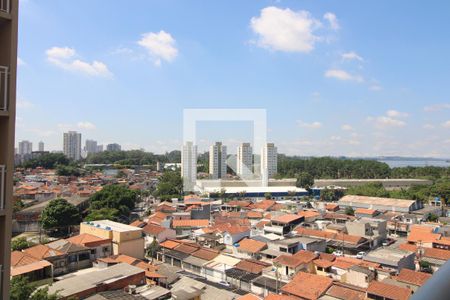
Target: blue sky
pixel 336 77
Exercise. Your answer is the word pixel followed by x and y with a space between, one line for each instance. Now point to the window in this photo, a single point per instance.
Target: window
pixel 93 251
pixel 72 258
pixel 83 256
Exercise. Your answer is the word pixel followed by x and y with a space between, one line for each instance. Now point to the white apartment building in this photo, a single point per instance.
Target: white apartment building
pixel 113 147
pixel 217 161
pixel 244 163
pixel 189 165
pixel 72 145
pixel 41 146
pixel 91 146
pixel 269 161
pixel 25 147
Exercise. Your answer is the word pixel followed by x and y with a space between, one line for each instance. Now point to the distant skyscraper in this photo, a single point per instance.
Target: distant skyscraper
pixel 189 165
pixel 269 161
pixel 99 148
pixel 41 146
pixel 25 147
pixel 91 146
pixel 113 147
pixel 72 145
pixel 244 163
pixel 217 161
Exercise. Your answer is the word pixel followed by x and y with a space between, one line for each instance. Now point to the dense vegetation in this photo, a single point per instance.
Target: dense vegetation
pixel 132 157
pixel 22 289
pixel 20 243
pixel 59 215
pixel 170 186
pixel 113 202
pixel 47 161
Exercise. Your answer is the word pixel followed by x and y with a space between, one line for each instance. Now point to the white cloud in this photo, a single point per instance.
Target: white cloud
pixel 351 56
pixel 20 62
pixel 313 125
pixel 391 119
pixel 24 104
pixel 285 30
pixel 64 57
pixel 86 125
pixel 396 114
pixel 342 75
pixel 446 124
pixel 428 126
pixel 161 46
pixel 375 87
pixel 347 127
pixel 437 107
pixel 332 20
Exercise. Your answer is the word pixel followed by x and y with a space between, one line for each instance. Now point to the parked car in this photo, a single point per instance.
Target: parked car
pixel 338 253
pixel 360 255
pixel 224 283
pixel 388 242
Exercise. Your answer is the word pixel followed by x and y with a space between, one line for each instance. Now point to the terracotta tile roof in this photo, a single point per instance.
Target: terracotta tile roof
pixel 279 297
pixel 332 206
pixel 170 244
pixel 327 256
pixel 350 239
pixel 261 224
pixel 288 260
pixel 288 218
pixel 190 223
pixel 252 266
pixel 345 293
pixel 254 215
pixel 153 229
pixel 251 246
pixel 263 205
pixel 231 228
pixel 249 297
pixel 206 254
pixel 388 291
pixel 19 258
pixel 408 247
pixel 138 223
pixel 365 211
pixel 315 233
pixel 437 253
pixel 307 286
pixel 308 213
pixel 88 240
pixel 237 203
pixel 187 248
pixel 413 277
pixel 422 234
pixel 305 256
pixel 42 251
pixel 38 265
pixel 322 263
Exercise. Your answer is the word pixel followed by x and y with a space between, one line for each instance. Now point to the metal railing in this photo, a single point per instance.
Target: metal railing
pixel 4 72
pixel 4 6
pixel 2 186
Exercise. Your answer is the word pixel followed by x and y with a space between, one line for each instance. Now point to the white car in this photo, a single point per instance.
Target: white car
pixel 224 283
pixel 360 255
pixel 338 253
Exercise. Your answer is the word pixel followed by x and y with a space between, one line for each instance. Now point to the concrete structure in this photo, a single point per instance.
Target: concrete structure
pixel 244 164
pixel 189 166
pixel 125 239
pixel 217 161
pixel 392 258
pixel 41 146
pixel 25 148
pixel 8 65
pixel 371 229
pixel 380 204
pixel 113 147
pixel 269 161
pixel 91 146
pixel 72 145
pixel 390 184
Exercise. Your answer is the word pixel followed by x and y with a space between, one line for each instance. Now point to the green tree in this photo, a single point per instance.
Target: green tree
pixel 370 189
pixel 153 248
pixel 22 289
pixel 62 170
pixel 305 180
pixel 112 201
pixel 350 211
pixel 170 185
pixel 103 214
pixel 59 214
pixel 20 243
pixel 432 218
pixel 47 161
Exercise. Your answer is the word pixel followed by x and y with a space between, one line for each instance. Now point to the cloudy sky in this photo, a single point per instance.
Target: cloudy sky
pixel 336 78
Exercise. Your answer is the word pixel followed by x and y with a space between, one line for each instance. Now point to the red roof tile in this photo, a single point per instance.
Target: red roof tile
pixel 307 286
pixel 388 291
pixel 413 277
pixel 190 223
pixel 251 246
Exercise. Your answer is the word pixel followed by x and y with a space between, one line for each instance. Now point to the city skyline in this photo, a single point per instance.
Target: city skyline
pixel 346 84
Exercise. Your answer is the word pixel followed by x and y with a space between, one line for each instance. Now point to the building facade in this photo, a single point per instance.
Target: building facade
pixel 8 66
pixel 72 145
pixel 269 161
pixel 217 161
pixel 189 165
pixel 113 147
pixel 25 148
pixel 244 164
pixel 91 146
pixel 41 147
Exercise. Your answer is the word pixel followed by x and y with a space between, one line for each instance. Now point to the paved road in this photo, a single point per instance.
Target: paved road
pixel 212 283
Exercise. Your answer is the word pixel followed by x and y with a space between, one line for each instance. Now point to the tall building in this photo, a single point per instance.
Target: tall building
pixel 8 66
pixel 113 147
pixel 218 161
pixel 189 165
pixel 244 163
pixel 41 146
pixel 72 145
pixel 99 148
pixel 91 146
pixel 25 148
pixel 269 161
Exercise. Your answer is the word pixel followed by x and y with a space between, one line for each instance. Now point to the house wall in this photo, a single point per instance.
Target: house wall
pixel 134 248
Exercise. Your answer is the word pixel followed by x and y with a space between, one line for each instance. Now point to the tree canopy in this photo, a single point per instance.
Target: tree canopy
pixel 170 185
pixel 305 180
pixel 59 214
pixel 132 157
pixel 22 289
pixel 47 161
pixel 19 243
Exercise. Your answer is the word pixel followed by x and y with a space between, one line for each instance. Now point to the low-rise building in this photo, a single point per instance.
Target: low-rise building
pixel 392 258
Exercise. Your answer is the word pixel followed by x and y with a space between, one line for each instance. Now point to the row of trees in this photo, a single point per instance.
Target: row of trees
pixel 22 289
pixel 132 157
